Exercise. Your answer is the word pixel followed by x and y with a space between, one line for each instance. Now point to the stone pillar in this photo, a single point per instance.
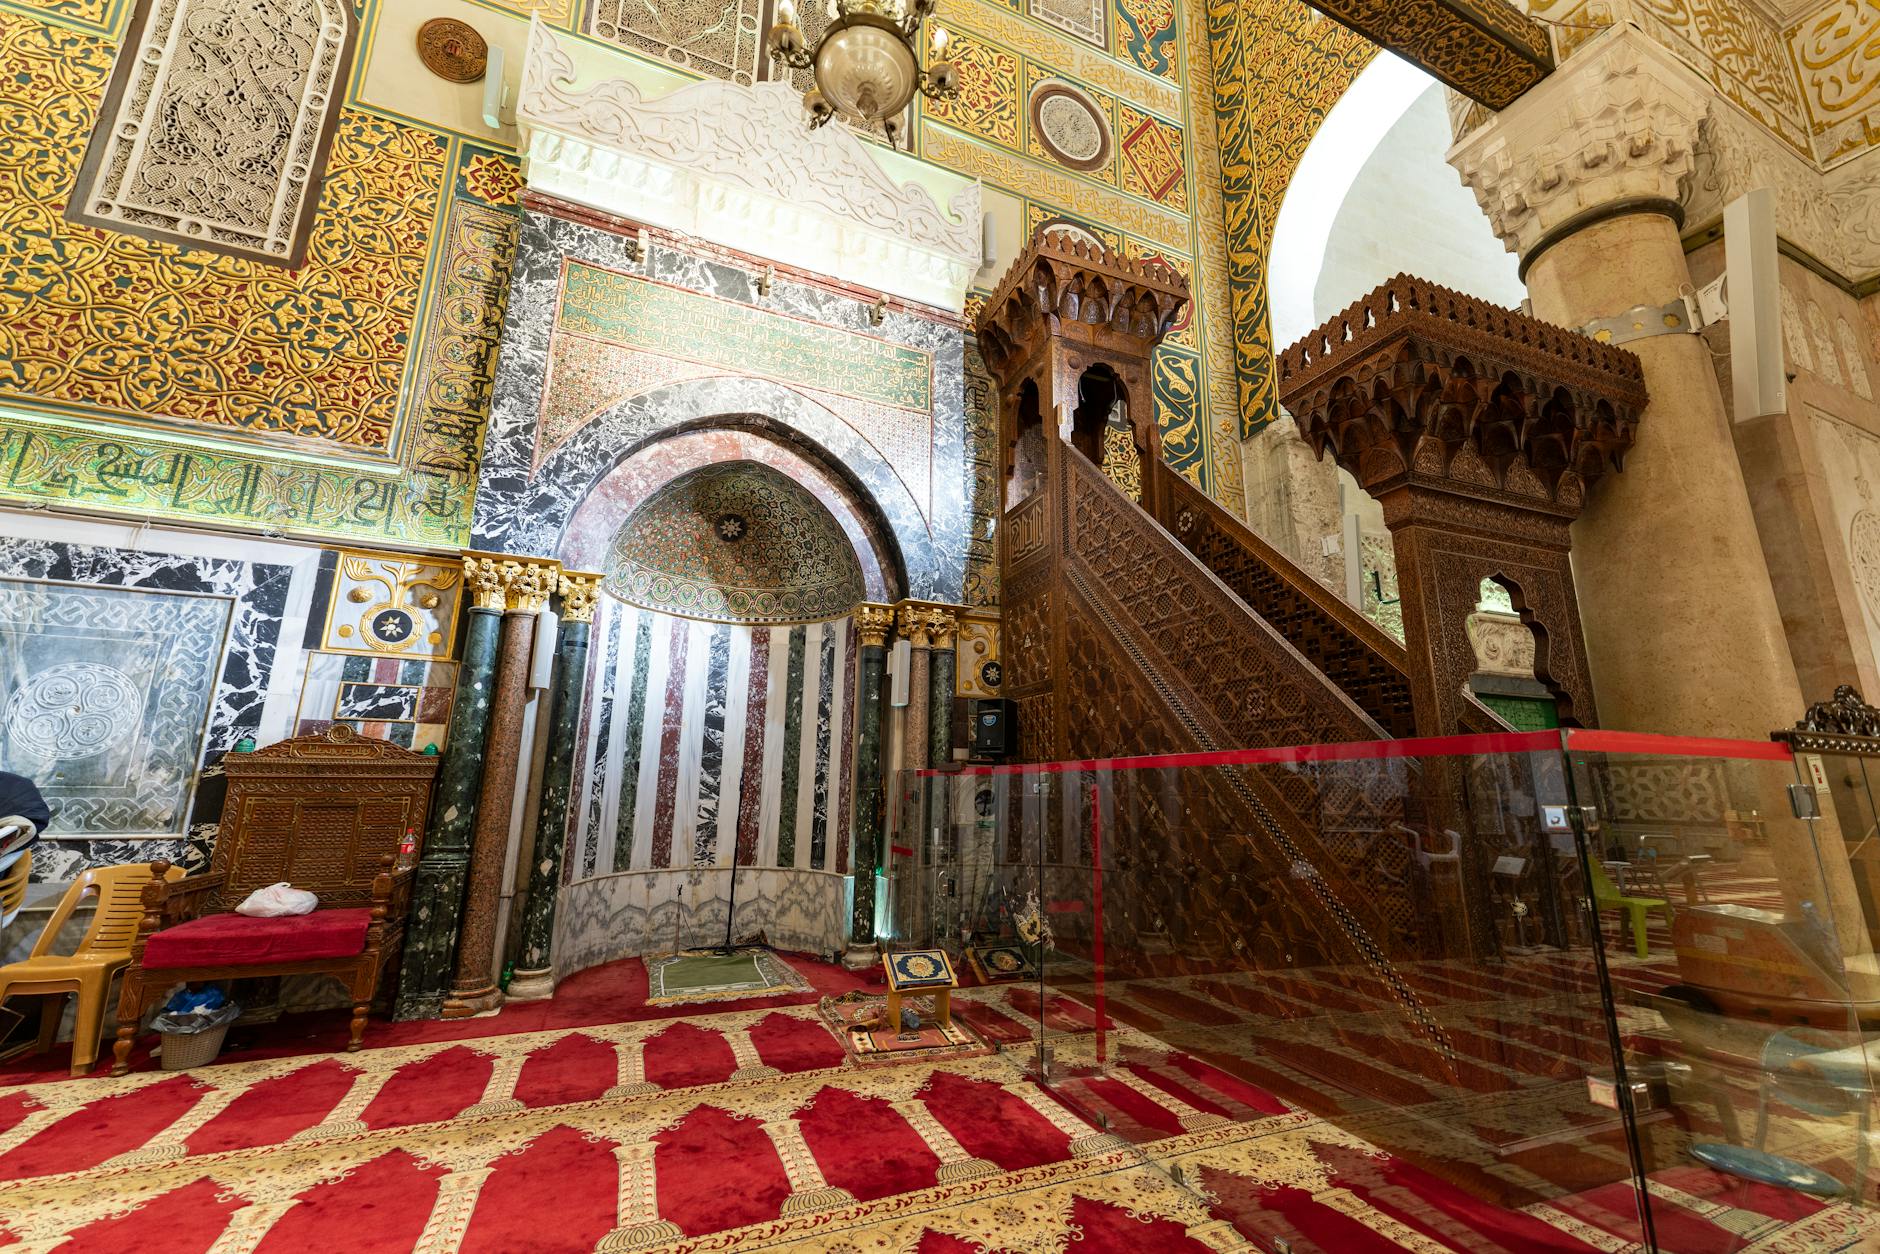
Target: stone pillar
pixel 913 625
pixel 1583 177
pixel 872 621
pixel 527 583
pixel 443 869
pixel 942 664
pixel 1586 177
pixel 535 978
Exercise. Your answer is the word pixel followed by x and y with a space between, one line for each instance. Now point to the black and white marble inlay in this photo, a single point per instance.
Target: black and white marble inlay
pixel 521 510
pixel 256 593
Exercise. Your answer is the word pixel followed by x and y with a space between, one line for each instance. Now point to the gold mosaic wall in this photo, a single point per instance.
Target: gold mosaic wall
pixel 344 398
pixel 1266 120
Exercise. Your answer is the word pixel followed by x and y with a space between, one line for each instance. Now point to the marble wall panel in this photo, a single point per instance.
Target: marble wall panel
pixel 530 488
pixel 214 626
pixel 619 916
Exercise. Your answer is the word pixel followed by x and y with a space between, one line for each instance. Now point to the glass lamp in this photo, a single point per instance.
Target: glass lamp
pixel 865 64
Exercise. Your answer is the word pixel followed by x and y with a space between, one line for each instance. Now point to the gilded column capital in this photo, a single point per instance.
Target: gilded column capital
pixel 507 581
pixel 483 576
pixel 942 626
pixel 910 623
pixel 580 595
pixel 1618 122
pixel 874 622
pixel 531 584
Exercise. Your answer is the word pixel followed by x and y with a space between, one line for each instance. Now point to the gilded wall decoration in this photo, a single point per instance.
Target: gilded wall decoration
pixel 1265 124
pixel 391 605
pixel 1152 164
pixel 1072 57
pixel 1737 46
pixel 1834 52
pixel 179 345
pixel 1144 32
pixel 453 50
pixel 1076 196
pixel 215 125
pixel 714 38
pixel 978 672
pixel 1085 19
pixel 144 331
pixel 735 542
pixel 987 105
pixel 100 16
pixel 1070 126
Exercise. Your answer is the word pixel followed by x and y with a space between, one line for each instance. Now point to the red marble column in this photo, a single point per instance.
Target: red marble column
pixel 526 584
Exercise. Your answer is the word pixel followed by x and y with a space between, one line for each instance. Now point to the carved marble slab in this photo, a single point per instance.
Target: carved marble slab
pixel 736 164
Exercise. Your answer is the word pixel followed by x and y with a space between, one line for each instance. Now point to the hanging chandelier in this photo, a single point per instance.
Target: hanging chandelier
pixel 865 64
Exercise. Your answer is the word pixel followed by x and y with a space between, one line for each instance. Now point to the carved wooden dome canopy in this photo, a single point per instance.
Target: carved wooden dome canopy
pixel 1067 286
pixel 1417 383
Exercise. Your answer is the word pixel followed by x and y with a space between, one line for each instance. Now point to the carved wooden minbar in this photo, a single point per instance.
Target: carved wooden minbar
pixel 1481 431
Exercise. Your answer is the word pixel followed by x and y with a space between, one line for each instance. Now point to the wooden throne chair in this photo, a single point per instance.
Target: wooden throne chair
pixel 326 813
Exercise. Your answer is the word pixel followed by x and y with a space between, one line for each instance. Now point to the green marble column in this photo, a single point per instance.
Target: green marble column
pixel 941 628
pixel 444 867
pixel 535 976
pixel 872 621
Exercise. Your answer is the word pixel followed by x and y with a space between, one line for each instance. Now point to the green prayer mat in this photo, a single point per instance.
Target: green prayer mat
pixel 674 978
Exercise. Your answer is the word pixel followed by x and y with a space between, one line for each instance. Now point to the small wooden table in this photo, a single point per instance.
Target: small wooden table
pixel 920 971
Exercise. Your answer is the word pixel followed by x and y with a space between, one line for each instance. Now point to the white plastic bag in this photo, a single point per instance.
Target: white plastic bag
pixel 276 900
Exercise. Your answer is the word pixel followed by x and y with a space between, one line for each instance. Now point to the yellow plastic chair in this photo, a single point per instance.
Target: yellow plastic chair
pixel 13 885
pixel 102 953
pixel 1608 897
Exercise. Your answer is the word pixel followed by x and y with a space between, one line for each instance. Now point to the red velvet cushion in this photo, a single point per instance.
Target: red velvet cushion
pixel 235 940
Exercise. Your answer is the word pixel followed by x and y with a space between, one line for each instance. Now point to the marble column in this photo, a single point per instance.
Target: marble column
pixel 911 624
pixel 527 583
pixel 942 632
pixel 872 622
pixel 443 868
pixel 1584 177
pixel 535 977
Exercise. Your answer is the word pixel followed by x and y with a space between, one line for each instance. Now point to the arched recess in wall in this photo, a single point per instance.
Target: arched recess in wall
pixel 537 520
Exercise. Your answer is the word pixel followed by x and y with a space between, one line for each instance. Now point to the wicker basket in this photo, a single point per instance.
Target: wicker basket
pixel 183 1050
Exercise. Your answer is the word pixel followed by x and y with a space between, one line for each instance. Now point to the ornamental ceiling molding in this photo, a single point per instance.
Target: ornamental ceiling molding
pixel 1619 121
pixel 735 164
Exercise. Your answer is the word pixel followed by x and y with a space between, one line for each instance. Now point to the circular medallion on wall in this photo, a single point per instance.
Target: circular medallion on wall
pixel 1070 125
pixel 452 50
pixel 391 627
pixel 74 710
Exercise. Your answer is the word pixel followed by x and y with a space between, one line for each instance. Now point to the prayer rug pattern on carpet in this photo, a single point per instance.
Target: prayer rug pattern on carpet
pixel 887 1046
pixel 704 976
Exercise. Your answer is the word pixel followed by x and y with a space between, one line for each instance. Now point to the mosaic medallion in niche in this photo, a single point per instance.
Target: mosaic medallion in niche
pixel 735 542
pixel 715 37
pixel 1070 125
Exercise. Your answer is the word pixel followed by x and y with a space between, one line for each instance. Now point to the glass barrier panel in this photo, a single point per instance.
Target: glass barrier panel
pixel 1742 971
pixel 1354 968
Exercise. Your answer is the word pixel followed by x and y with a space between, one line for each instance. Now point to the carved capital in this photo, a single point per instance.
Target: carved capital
pixel 483 575
pixel 874 622
pixel 910 623
pixel 942 626
pixel 580 594
pixel 505 581
pixel 530 584
pixel 1618 121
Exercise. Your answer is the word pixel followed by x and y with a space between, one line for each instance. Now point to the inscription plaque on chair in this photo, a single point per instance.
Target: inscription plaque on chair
pixel 327 814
